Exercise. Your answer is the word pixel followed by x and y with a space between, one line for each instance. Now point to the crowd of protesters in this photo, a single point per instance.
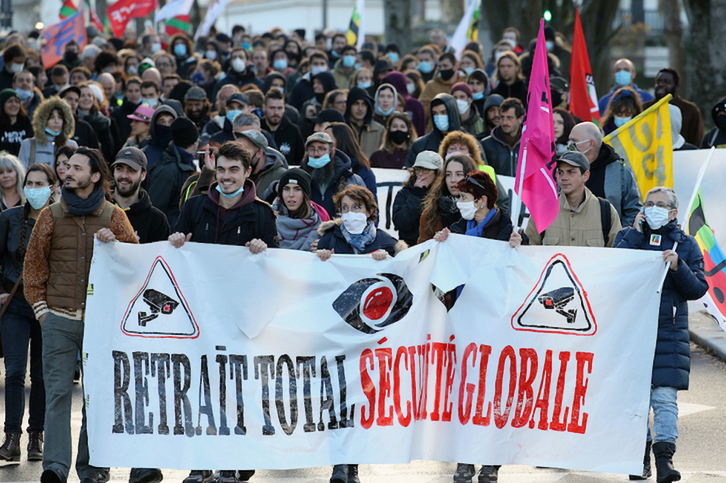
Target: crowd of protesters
pixel 269 141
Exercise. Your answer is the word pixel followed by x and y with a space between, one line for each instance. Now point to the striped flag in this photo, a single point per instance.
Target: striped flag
pixel 178 24
pixel 468 28
pixel 94 18
pixel 67 9
pixel 356 30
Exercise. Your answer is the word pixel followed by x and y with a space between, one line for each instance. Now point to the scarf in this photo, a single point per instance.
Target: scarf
pixel 360 242
pixel 472 229
pixel 448 205
pixel 296 233
pixel 77 206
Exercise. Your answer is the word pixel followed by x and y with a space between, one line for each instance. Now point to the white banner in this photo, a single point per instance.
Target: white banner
pixel 230 360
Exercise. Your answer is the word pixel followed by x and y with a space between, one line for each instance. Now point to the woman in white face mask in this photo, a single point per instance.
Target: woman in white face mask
pixel 354 232
pixel 656 228
pixel 19 328
pixel 480 218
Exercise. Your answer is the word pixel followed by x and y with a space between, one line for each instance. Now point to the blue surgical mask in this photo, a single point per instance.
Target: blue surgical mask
pixel 385 113
pixel 623 78
pixel 442 122
pixel 348 61
pixel 24 95
pixel 197 78
pixel 151 101
pixel 232 114
pixel 358 66
pixel 468 70
pixel 231 195
pixel 280 64
pixel 365 85
pixel 37 197
pixel 393 56
pixel 478 96
pixel 549 44
pixel 246 45
pixel 316 163
pixel 425 67
pixel 51 132
pixel 180 50
pixel 621 121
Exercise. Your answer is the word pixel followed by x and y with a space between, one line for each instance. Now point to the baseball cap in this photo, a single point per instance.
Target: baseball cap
pixel 195 94
pixel 320 137
pixel 132 157
pixel 238 97
pixel 573 158
pixel 428 160
pixel 256 137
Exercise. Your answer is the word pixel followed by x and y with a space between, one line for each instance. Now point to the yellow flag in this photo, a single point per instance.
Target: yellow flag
pixel 645 144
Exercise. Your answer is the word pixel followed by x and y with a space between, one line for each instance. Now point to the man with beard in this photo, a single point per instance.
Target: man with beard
pixel 129 170
pixel 501 147
pixel 55 273
pixel 329 169
pixel 196 107
pixel 286 134
pixel 667 81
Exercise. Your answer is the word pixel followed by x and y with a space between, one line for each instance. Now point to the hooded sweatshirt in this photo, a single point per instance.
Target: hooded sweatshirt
pixel 160 136
pixel 432 140
pixel 370 133
pixel 149 223
pixel 716 136
pixel 414 107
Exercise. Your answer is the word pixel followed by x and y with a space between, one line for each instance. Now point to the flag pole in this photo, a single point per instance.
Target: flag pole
pixel 699 178
pixel 665 272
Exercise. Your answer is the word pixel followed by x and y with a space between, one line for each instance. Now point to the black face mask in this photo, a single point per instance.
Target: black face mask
pixel 162 134
pixel 71 56
pixel 721 122
pixel 320 97
pixel 398 137
pixel 446 74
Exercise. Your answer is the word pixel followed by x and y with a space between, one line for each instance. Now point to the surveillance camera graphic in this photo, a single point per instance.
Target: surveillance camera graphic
pixel 557 300
pixel 159 304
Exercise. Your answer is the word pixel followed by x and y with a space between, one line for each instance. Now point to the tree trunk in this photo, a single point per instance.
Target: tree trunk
pixel 706 55
pixel 521 14
pixel 397 24
pixel 597 20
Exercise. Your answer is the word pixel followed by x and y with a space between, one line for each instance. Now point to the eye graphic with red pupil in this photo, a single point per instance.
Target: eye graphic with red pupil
pixel 377 303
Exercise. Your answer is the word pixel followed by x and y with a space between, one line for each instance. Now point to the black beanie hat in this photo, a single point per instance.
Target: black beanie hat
pixel 183 132
pixel 295 176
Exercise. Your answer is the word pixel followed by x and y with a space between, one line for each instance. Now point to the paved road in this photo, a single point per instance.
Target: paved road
pixel 701 455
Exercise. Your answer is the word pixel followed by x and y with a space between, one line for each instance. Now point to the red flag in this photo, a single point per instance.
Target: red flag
pixel 67 9
pixel 94 18
pixel 122 11
pixel 583 99
pixel 59 34
pixel 535 182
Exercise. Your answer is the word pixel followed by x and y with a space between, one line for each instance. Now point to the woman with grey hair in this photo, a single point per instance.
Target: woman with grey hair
pixel 12 175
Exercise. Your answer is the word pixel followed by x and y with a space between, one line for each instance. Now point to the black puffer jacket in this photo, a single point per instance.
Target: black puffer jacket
pixel 499 154
pixel 149 222
pixel 498 228
pixel 672 363
pixel 407 212
pixel 166 179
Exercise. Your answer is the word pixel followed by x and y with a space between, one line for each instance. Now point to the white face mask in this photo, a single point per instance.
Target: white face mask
pixel 656 217
pixel 411 88
pixel 463 106
pixel 467 209
pixel 239 65
pixel 355 223
pixel 317 69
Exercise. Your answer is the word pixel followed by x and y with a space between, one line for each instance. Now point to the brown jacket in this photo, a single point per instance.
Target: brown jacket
pixel 58 259
pixel 579 228
pixel 371 137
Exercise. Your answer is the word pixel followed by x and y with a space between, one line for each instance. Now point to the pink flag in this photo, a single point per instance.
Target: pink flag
pixel 535 174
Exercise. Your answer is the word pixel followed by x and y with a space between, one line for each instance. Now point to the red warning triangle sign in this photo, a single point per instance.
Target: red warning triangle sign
pixel 159 309
pixel 557 304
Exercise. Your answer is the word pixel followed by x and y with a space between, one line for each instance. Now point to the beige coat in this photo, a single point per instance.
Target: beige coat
pixel 371 138
pixel 581 227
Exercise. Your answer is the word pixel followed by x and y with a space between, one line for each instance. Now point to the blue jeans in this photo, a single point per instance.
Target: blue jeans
pixel 665 414
pixel 63 340
pixel 18 327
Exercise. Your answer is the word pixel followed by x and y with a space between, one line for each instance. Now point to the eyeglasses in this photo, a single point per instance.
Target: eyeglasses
pixel 315 151
pixel 572 145
pixel 660 204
